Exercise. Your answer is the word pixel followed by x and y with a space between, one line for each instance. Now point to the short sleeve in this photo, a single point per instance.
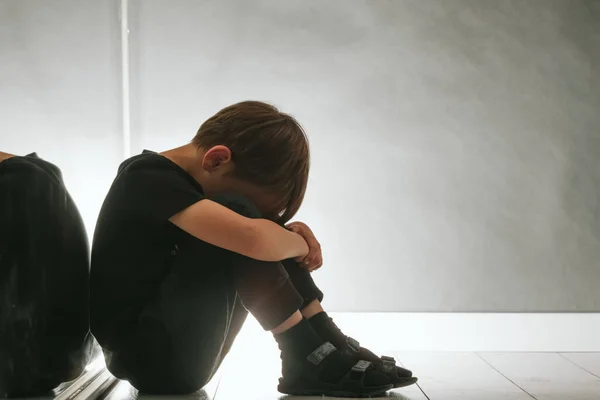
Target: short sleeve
pixel 157 192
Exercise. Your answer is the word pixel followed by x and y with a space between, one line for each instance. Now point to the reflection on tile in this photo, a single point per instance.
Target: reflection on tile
pixel 546 376
pixel 461 376
pixel 201 395
pixel 252 368
pixel 124 391
pixel 36 398
pixel 588 361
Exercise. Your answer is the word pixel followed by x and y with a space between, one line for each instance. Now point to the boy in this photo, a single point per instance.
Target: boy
pixel 44 279
pixel 191 239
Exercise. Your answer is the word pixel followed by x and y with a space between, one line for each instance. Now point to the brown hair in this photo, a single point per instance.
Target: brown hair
pixel 269 148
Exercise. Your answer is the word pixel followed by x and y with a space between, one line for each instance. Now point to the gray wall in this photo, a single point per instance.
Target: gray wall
pixel 456 144
pixel 60 91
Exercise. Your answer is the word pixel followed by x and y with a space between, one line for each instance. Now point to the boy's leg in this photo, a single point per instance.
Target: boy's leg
pixel 323 324
pixel 186 331
pixel 268 291
pixel 275 294
pixel 304 284
pixel 176 346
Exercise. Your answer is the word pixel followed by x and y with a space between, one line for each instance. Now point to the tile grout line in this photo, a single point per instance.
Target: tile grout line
pixel 506 377
pixel 214 396
pixel 417 383
pixel 422 391
pixel 221 375
pixel 577 365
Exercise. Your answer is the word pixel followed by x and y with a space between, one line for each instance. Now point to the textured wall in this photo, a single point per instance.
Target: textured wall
pixel 456 143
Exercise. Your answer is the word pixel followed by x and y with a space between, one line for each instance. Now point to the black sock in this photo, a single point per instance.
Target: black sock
pixel 300 340
pixel 328 330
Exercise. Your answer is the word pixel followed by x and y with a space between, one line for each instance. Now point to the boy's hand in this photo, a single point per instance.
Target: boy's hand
pixel 314 259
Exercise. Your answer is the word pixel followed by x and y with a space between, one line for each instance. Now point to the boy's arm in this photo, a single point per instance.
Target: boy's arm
pixel 260 239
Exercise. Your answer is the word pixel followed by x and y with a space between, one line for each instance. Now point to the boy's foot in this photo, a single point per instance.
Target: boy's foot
pixel 328 330
pixel 311 366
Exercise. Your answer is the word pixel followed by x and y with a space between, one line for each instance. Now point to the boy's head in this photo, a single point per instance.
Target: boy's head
pixel 261 152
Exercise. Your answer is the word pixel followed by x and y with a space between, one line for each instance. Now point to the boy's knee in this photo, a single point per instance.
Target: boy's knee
pixel 238 203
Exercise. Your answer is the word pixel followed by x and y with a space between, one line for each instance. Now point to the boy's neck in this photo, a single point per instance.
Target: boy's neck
pixel 189 158
pixel 5 156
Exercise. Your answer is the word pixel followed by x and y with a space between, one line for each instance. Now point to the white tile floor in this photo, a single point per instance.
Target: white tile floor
pixel 443 376
pixel 251 370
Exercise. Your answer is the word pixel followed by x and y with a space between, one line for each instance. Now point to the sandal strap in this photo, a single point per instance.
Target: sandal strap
pixel 322 352
pixel 357 373
pixel 389 364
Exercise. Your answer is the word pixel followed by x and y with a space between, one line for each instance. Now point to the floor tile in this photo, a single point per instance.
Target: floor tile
pixel 124 391
pixel 251 371
pixel 253 367
pixel 546 376
pixel 464 376
pixel 588 361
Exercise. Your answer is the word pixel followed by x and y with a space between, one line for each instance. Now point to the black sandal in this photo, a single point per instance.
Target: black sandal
pixel 399 376
pixel 307 382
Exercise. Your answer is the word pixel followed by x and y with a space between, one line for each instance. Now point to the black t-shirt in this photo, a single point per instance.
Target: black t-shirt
pixel 134 241
pixel 44 276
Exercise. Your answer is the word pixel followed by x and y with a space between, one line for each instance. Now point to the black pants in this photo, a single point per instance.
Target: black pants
pixel 189 327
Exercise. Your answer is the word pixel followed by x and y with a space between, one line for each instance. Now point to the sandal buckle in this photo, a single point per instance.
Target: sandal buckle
pixel 361 366
pixel 321 353
pixel 353 344
pixel 389 364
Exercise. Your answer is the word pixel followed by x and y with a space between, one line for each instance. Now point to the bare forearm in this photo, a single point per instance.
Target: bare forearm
pixel 260 239
pixel 274 243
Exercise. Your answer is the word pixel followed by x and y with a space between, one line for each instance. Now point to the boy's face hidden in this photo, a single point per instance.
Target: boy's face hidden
pixel 218 177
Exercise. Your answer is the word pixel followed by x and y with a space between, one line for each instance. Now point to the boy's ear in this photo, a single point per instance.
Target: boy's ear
pixel 216 157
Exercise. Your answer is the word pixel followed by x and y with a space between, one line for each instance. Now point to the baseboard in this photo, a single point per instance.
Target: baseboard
pixel 540 332
pixel 532 332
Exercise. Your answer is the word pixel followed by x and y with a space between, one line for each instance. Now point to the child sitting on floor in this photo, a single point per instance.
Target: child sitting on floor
pixel 192 239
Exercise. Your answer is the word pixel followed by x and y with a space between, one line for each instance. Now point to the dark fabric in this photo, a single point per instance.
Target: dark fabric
pixel 299 341
pixel 327 329
pixel 323 324
pixel 166 307
pixel 297 344
pixel 44 280
pixel 133 241
pixel 186 330
pixel 303 282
